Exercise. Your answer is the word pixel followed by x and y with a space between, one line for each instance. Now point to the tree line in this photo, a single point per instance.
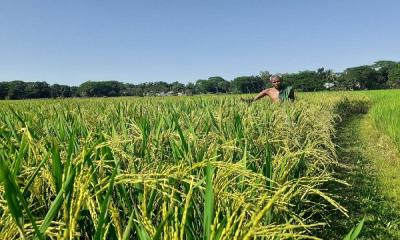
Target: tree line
pixel 380 75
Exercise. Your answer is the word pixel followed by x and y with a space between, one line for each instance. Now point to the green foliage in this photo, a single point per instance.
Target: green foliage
pixel 100 89
pixel 394 76
pixel 23 90
pixel 37 90
pixel 177 87
pixel 383 68
pixel 60 91
pixel 16 90
pixel 213 85
pixel 306 80
pixel 380 75
pixel 354 232
pixel 265 75
pixel 362 77
pixel 248 84
pixel 3 90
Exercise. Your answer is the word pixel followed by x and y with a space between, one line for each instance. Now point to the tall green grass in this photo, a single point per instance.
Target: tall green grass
pixel 386 113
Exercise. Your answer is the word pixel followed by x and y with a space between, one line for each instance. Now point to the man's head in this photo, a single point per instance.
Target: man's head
pixel 276 81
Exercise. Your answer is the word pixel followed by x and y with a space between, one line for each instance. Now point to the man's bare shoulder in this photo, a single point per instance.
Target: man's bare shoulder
pixel 269 90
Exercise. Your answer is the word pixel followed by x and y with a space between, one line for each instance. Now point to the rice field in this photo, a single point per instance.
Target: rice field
pixel 386 113
pixel 202 167
pixel 384 116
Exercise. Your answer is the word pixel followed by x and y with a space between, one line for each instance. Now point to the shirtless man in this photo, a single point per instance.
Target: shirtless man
pixel 278 93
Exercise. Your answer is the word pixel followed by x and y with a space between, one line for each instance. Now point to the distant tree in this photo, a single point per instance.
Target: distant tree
pixel 204 86
pixel 157 87
pixel 290 79
pixel 114 88
pixel 74 91
pixel 212 85
pixel 143 88
pixel 66 91
pixel 314 81
pixel 330 76
pixel 381 74
pixel 3 90
pixel 362 77
pixel 190 88
pixel 177 87
pixel 384 64
pixel 37 90
pixel 133 90
pixel 57 90
pixel 383 68
pixel 394 76
pixel 16 90
pixel 306 80
pixel 87 89
pixel 218 84
pixel 100 89
pixel 327 78
pixel 248 84
pixel 265 75
pixel 311 80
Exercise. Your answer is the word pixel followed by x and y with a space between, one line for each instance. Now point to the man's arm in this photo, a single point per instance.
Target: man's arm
pixel 262 94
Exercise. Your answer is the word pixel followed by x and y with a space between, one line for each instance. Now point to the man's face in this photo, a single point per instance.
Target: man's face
pixel 276 82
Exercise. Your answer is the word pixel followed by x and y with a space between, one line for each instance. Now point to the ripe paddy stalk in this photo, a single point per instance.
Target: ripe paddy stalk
pixel 186 209
pixel 157 139
pixel 82 184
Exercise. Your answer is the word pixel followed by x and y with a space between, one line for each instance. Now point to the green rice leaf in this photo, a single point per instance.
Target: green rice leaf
pixel 104 207
pixel 56 204
pixel 56 166
pixel 208 202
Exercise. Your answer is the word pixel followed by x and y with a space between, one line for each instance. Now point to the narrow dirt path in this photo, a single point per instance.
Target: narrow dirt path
pixel 363 164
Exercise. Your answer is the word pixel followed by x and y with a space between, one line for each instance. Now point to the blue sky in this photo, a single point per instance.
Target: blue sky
pixel 70 42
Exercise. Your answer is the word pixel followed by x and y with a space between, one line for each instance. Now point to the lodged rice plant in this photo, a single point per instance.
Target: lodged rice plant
pixel 204 167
